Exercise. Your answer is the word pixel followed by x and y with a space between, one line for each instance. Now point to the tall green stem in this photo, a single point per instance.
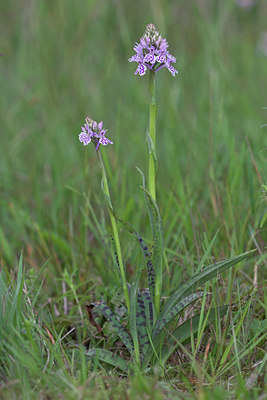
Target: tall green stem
pixel 152 139
pixel 115 231
pixel 152 174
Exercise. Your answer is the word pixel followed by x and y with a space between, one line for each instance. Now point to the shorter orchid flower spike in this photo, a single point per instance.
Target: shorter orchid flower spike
pixel 92 131
pixel 152 53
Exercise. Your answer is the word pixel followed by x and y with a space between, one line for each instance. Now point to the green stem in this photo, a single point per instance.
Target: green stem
pixel 152 133
pixel 152 170
pixel 115 231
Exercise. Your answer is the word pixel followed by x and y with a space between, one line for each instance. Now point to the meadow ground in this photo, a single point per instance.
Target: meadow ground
pixel 61 61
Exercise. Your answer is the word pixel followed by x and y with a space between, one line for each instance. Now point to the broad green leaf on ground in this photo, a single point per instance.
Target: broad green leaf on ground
pixel 109 358
pixel 175 310
pixel 204 276
pixel 112 319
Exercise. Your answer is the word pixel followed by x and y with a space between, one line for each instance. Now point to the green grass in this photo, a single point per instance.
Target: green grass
pixel 63 61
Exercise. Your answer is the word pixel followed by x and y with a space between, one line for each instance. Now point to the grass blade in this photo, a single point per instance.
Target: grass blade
pixel 184 331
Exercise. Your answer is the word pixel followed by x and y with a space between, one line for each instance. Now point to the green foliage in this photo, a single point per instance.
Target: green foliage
pixel 108 357
pixel 140 320
pixel 125 337
pixel 63 60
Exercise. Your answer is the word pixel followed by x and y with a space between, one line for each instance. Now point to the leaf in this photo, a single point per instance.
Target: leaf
pixel 109 358
pixel 187 288
pixel 112 319
pixel 142 323
pixel 204 276
pixel 151 278
pixel 142 315
pixel 157 334
pixel 151 149
pixel 183 332
pixel 261 259
pixel 157 230
pixel 135 318
pixel 175 310
pixel 147 298
pixel 115 253
pixel 149 210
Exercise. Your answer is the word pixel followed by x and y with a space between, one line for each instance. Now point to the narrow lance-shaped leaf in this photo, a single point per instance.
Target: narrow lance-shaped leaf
pixel 151 149
pixel 134 318
pixel 120 330
pixel 141 320
pixel 142 323
pixel 114 251
pixel 149 210
pixel 151 278
pixel 204 276
pixel 149 306
pixel 158 332
pixel 157 230
pixel 174 311
pixel 149 266
pixel 109 358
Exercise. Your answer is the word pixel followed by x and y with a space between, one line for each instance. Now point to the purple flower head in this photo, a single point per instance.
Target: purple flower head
pixel 92 131
pixel 152 53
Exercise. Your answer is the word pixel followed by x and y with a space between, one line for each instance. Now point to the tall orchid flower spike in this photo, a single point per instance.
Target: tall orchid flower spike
pixel 152 53
pixel 94 132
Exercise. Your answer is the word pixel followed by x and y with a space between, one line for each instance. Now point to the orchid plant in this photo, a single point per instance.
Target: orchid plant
pixel 147 337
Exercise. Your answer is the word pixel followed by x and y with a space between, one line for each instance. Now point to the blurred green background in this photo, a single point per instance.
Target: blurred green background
pixel 65 60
